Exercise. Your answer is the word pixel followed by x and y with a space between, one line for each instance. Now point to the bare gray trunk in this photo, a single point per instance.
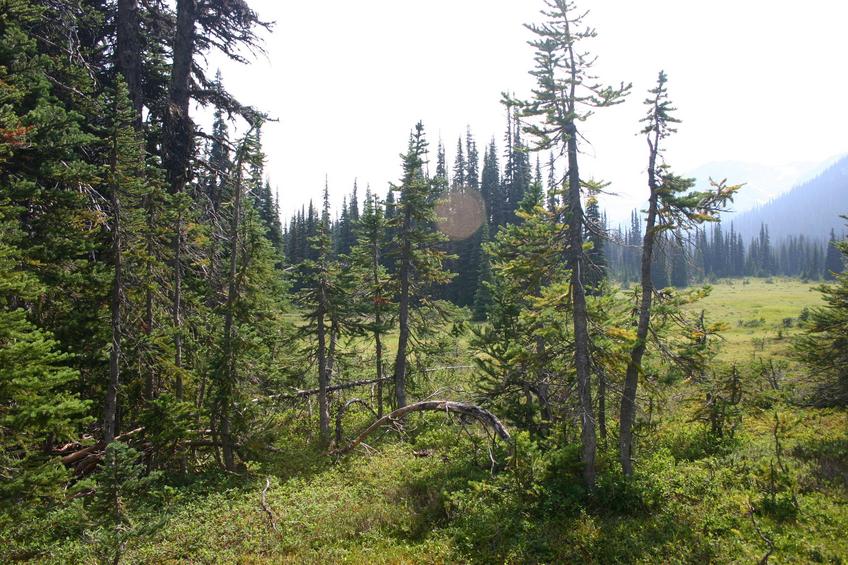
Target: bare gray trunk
pixel 110 423
pixel 631 379
pixel 128 55
pixel 403 316
pixel 176 154
pixel 229 380
pixel 602 406
pixel 323 403
pixel 580 313
pixel 378 342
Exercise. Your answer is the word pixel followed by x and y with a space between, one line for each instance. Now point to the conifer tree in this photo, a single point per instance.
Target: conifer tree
pixel 441 163
pixel 490 188
pixel 833 264
pixel 323 296
pixel 38 385
pixel 483 293
pixel 418 260
pixel 459 169
pixel 564 97
pixel 823 347
pixel 125 181
pixel 596 260
pixel 553 187
pixel 671 205
pixel 374 282
pixel 472 161
pixel 679 275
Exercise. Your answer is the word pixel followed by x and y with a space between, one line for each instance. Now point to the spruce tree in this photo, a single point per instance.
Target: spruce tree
pixel 596 260
pixel 483 293
pixel 37 382
pixel 490 188
pixel 323 296
pixel 374 282
pixel 671 205
pixel 823 347
pixel 418 259
pixel 679 276
pixel 833 264
pixel 562 100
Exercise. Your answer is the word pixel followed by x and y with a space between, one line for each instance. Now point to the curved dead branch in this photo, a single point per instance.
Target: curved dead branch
pixel 482 415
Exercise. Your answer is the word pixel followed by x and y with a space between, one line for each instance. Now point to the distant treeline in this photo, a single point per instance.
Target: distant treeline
pixel 712 252
pixel 498 189
pixel 716 252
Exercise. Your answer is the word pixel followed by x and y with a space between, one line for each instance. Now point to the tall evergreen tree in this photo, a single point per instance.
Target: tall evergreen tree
pixel 562 100
pixel 833 264
pixel 671 205
pixel 596 260
pixel 417 256
pixel 827 332
pixel 490 188
pixel 374 282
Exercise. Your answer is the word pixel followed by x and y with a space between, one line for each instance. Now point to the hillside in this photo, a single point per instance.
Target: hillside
pixel 812 208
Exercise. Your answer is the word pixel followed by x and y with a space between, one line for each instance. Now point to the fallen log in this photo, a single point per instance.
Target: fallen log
pixel 313 391
pixel 86 459
pixel 482 415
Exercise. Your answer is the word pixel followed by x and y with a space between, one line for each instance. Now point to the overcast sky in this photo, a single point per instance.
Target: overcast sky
pixel 759 81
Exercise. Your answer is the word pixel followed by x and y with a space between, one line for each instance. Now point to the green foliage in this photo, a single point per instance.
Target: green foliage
pixel 720 411
pixel 120 482
pixel 823 347
pixel 167 423
pixel 39 406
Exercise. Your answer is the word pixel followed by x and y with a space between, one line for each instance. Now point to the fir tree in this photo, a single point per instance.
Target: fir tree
pixel 679 276
pixel 415 248
pixel 374 282
pixel 562 100
pixel 671 205
pixel 833 264
pixel 596 260
pixel 483 293
pixel 827 331
pixel 490 188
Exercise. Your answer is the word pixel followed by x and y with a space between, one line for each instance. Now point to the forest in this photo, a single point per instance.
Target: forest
pixel 473 366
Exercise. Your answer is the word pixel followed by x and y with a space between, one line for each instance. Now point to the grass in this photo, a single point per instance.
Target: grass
pixel 394 507
pixel 690 501
pixel 754 311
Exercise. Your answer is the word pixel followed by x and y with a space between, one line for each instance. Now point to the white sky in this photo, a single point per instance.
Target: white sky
pixel 755 80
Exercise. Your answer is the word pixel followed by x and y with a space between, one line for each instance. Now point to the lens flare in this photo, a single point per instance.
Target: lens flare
pixel 461 214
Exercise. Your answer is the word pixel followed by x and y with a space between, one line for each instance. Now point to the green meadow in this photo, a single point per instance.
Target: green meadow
pixel 761 315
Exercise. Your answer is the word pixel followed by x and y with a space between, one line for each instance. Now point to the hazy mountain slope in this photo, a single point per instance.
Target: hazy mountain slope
pixel 811 208
pixel 762 182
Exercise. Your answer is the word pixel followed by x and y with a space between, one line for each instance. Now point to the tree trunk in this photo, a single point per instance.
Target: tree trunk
pixel 228 382
pixel 176 153
pixel 323 401
pixel 482 415
pixel 378 342
pixel 602 406
pixel 177 306
pixel 379 366
pixel 128 55
pixel 634 365
pixel 110 421
pixel 403 315
pixel 580 313
pixel 149 388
